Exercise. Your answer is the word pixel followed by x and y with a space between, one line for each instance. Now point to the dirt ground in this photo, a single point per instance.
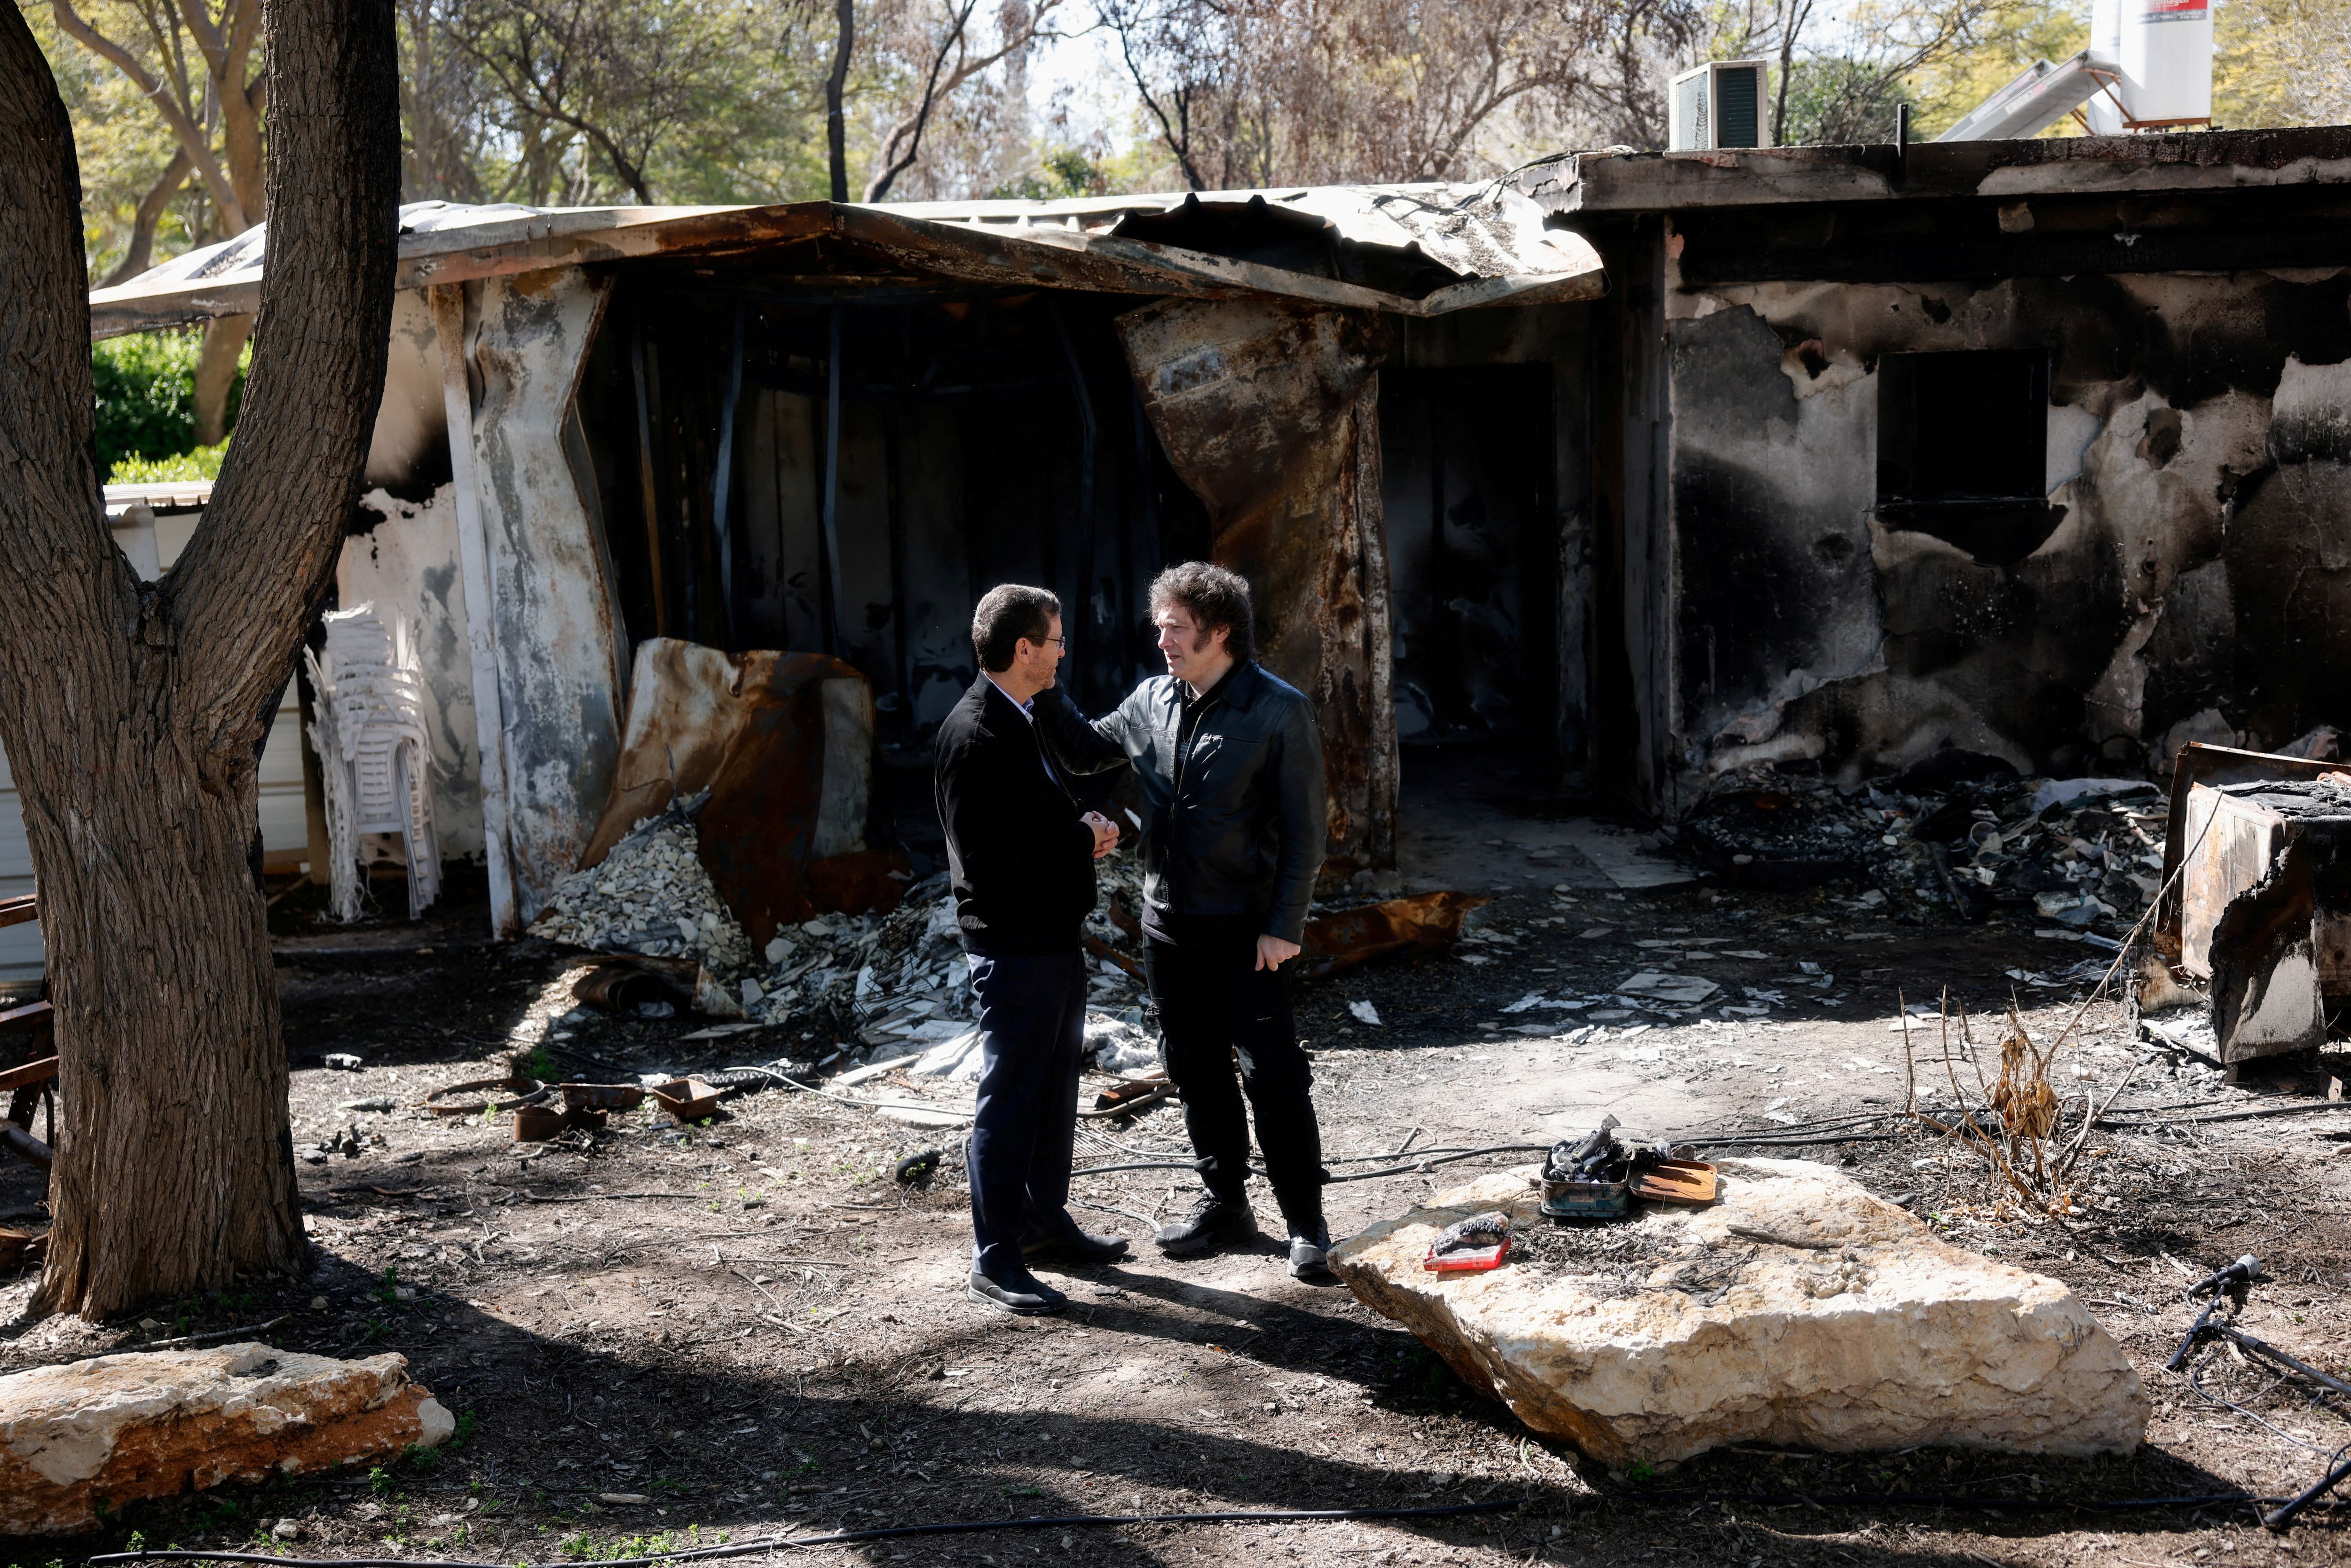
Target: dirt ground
pixel 659 1337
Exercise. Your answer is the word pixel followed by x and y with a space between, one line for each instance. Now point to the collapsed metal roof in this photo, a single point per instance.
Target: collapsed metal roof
pixel 1623 180
pixel 1413 250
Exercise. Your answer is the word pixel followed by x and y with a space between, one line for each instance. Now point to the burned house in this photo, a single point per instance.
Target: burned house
pixel 2034 448
pixel 1652 464
pixel 829 429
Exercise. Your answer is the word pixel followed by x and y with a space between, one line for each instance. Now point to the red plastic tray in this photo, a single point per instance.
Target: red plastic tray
pixel 1471 1262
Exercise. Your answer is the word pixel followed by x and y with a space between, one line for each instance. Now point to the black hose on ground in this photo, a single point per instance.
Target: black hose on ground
pixel 1954 1499
pixel 844 1537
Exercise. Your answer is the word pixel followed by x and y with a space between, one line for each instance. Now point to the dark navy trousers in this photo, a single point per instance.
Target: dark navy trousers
pixel 1033 1029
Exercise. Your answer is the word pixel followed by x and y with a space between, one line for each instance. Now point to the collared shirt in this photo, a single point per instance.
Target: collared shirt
pixel 1028 709
pixel 1028 712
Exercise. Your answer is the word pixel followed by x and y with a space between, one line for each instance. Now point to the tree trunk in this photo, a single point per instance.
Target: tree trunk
pixel 836 93
pixel 225 340
pixel 134 714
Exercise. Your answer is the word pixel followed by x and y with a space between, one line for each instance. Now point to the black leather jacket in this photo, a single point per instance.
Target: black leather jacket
pixel 1235 822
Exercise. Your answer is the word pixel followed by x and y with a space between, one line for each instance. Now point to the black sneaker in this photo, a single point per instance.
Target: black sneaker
pixel 1024 1294
pixel 1079 1246
pixel 1310 1252
pixel 1214 1222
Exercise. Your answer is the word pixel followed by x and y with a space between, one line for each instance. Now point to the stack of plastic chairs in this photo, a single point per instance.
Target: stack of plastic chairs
pixel 368 729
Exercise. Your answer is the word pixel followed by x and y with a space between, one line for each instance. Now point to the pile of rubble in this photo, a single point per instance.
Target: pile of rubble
pixel 648 895
pixel 1958 836
pixel 884 986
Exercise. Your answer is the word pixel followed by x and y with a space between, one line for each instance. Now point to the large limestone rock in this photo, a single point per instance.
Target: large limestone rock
pixel 1796 1311
pixel 152 1424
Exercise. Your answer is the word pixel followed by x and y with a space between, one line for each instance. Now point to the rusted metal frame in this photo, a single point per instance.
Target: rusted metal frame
pixel 721 481
pixel 829 532
pixel 30 1073
pixel 19 911
pixel 448 303
pixel 1082 611
pixel 648 487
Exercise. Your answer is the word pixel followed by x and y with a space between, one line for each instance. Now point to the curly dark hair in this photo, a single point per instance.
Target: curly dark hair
pixel 1215 596
pixel 1005 614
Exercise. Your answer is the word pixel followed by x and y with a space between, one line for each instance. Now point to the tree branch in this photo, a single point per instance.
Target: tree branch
pixel 1179 145
pixel 183 128
pixel 209 42
pixel 139 255
pixel 242 594
pixel 880 186
pixel 836 89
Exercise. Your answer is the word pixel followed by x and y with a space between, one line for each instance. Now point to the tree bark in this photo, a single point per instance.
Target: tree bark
pixel 224 339
pixel 134 714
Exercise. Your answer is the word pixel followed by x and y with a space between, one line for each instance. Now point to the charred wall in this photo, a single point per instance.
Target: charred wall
pixel 2183 572
pixel 983 437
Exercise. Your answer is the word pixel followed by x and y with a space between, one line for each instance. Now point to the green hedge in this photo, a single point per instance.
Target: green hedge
pixel 146 384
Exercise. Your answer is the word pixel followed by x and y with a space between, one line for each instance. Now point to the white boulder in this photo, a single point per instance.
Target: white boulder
pixel 99 1433
pixel 1796 1311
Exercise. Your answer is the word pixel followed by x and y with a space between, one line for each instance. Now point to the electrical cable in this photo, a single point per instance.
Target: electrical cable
pixel 1949 1499
pixel 1417 1164
pixel 843 1537
pixel 2298 1109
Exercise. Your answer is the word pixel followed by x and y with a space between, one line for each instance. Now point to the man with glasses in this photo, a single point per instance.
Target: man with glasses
pixel 1230 763
pixel 1021 861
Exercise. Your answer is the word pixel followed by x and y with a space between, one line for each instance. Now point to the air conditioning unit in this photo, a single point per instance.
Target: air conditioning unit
pixel 1719 104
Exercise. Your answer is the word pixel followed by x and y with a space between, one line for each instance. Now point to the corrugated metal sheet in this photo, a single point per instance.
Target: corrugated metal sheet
pixel 1490 242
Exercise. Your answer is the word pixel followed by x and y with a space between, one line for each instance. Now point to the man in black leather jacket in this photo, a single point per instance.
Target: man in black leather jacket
pixel 1230 763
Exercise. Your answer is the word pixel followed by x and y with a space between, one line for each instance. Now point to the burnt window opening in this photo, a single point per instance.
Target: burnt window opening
pixel 1963 450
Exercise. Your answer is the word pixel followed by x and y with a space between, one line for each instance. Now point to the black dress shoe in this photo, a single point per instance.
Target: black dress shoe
pixel 1023 1294
pixel 1077 1247
pixel 1214 1222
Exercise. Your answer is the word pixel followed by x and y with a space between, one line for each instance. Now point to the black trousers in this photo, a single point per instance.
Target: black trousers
pixel 1217 1009
pixel 1032 1028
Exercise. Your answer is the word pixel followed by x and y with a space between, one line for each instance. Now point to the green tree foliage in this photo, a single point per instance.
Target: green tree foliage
pixel 2008 39
pixel 1066 172
pixel 146 398
pixel 2282 62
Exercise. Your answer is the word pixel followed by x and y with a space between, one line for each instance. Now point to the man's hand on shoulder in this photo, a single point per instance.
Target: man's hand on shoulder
pixel 1105 835
pixel 1272 952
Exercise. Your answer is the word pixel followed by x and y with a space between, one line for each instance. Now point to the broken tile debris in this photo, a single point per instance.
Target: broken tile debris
pixel 1955 837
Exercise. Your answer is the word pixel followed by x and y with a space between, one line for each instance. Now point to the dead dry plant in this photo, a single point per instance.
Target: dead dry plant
pixel 2015 1122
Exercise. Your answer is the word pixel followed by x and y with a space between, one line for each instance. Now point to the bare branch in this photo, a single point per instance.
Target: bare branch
pixel 912 131
pixel 176 115
pixel 139 255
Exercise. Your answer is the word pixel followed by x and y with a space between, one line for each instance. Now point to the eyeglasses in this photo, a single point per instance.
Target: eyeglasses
pixel 1063 641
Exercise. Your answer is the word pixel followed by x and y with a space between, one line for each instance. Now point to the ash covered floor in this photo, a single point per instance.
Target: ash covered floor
pixel 750 1327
